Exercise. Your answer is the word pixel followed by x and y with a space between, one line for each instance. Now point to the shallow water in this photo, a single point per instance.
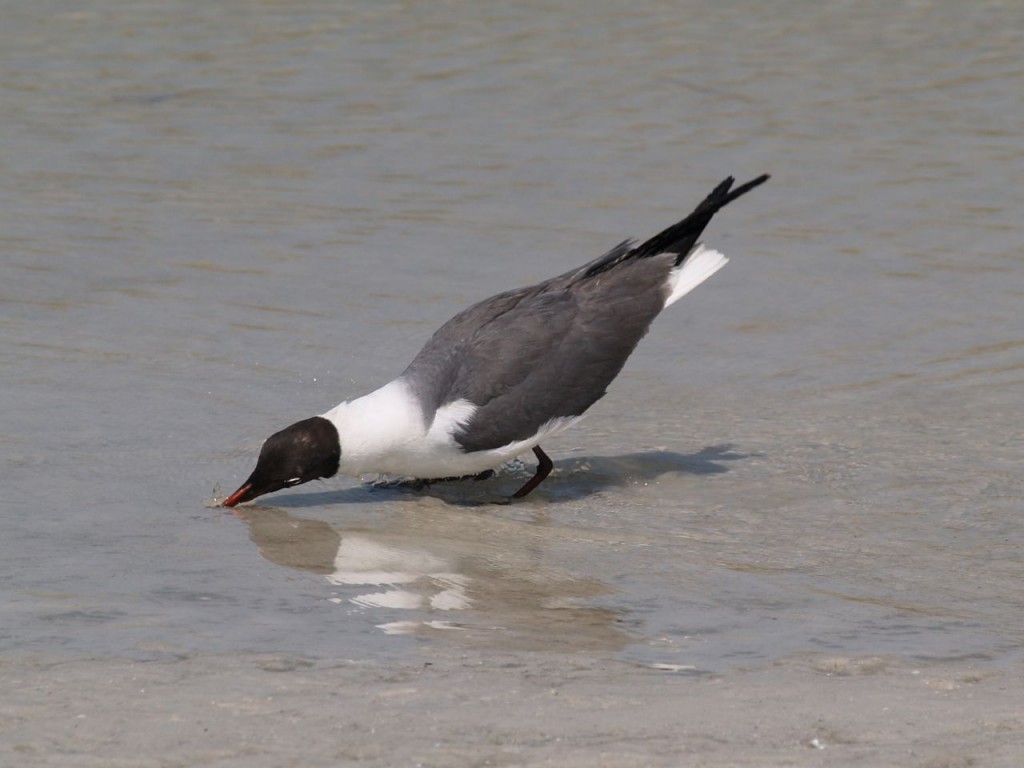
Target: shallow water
pixel 216 219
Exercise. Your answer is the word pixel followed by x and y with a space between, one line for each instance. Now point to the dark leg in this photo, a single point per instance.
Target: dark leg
pixel 544 467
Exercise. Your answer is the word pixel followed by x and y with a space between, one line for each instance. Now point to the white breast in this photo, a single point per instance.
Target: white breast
pixel 385 432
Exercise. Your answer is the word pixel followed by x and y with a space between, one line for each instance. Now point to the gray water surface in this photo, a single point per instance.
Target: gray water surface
pixel 219 218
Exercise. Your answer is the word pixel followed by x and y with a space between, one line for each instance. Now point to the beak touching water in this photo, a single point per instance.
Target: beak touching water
pixel 242 494
pixel 307 450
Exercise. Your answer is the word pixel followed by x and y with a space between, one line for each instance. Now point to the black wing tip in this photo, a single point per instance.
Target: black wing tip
pixel 742 189
pixel 680 237
pixel 724 194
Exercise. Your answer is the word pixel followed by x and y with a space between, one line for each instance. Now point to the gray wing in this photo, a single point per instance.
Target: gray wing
pixel 548 350
pixel 536 353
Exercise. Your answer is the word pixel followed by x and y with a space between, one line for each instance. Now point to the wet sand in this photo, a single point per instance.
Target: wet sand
pixel 473 709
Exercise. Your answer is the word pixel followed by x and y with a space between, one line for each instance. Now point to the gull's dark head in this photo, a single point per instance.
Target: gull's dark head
pixel 305 451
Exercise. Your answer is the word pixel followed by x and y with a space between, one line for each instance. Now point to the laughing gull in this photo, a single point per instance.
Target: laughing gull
pixel 503 375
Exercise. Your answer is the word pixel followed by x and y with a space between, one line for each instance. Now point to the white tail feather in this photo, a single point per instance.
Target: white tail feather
pixel 700 264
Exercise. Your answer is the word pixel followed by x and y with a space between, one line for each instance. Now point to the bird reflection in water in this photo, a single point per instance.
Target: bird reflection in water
pixel 494 587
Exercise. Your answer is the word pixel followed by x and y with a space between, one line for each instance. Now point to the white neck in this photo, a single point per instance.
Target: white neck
pixel 384 423
pixel 386 432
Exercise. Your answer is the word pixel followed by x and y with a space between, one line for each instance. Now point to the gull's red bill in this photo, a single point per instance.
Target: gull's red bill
pixel 242 494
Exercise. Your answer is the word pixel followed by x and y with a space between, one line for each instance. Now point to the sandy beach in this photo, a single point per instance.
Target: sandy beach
pixel 472 709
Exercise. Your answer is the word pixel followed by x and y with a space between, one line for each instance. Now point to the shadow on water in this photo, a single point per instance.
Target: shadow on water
pixel 571 480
